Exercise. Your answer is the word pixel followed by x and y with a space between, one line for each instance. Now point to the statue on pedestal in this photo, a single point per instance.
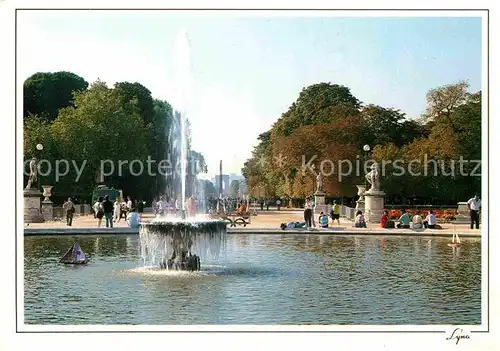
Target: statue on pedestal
pixel 373 177
pixel 319 183
pixel 33 173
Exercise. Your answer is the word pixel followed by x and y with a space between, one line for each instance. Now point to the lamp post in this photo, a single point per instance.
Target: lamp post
pixel 366 149
pixel 39 147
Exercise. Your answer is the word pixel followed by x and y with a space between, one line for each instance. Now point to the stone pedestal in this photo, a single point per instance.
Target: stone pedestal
pixel 360 204
pixel 319 202
pixel 47 205
pixel 48 210
pixel 32 208
pixel 463 215
pixel 374 205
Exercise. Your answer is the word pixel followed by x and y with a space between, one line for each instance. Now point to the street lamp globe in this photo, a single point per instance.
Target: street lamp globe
pixel 366 147
pixel 39 147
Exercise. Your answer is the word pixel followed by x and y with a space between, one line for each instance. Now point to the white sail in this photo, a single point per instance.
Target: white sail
pixel 79 254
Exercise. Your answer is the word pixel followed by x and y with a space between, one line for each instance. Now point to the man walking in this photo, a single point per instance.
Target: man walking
pixel 474 206
pixel 107 206
pixel 69 209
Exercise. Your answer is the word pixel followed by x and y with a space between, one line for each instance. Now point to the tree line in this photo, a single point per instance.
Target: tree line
pixel 327 122
pixel 87 124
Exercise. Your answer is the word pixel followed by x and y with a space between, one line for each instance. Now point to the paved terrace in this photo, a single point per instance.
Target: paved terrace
pixel 266 222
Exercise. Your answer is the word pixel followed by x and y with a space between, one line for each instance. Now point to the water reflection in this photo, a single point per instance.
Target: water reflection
pixel 261 279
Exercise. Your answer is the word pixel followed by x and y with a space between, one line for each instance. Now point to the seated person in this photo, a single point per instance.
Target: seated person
pixel 241 209
pixel 404 220
pixel 359 222
pixel 385 222
pixel 430 220
pixel 323 220
pixel 292 225
pixel 417 221
pixel 133 219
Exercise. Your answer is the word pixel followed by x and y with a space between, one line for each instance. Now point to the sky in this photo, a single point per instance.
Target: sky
pixel 245 71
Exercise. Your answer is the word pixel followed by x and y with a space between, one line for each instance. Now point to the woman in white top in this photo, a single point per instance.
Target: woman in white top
pixel 430 220
pixel 116 210
pixel 359 222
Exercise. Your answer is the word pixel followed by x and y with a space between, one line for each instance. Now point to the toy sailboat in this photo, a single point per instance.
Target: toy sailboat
pixel 75 255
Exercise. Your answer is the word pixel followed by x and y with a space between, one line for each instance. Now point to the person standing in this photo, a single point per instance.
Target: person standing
pixel 116 210
pixel 474 206
pixel 140 208
pixel 308 213
pixel 335 213
pixel 69 209
pixel 130 204
pixel 107 207
pixel 98 211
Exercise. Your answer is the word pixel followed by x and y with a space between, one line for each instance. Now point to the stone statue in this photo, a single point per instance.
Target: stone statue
pixel 33 173
pixel 373 177
pixel 319 183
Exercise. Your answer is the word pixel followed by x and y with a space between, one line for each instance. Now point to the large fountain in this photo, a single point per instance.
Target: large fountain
pixel 180 242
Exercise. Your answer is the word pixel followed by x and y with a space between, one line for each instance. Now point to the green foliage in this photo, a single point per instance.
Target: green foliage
pixel 122 123
pixel 385 125
pixel 316 104
pixel 326 121
pixel 46 93
pixel 100 127
pixel 130 91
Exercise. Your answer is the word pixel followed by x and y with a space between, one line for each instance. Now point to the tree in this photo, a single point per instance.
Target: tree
pixel 46 93
pixel 384 125
pixel 102 127
pixel 442 101
pixel 316 104
pixel 145 103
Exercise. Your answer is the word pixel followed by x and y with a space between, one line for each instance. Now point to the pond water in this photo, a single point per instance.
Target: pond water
pixel 259 279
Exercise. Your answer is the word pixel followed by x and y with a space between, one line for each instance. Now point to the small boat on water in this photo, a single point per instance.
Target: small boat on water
pixel 75 255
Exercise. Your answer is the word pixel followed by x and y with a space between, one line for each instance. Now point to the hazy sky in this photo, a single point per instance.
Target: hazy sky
pixel 247 71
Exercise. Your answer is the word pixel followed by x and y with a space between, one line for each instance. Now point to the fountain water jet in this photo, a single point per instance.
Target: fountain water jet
pixel 173 242
pixel 181 244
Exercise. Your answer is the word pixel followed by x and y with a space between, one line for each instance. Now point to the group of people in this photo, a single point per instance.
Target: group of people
pixel 404 221
pixel 163 206
pixel 323 219
pixel 131 211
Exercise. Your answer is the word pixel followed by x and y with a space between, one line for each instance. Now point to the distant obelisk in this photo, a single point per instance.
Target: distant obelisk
pixel 220 180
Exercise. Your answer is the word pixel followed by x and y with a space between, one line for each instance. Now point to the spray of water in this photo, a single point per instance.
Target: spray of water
pixel 159 239
pixel 183 84
pixel 168 234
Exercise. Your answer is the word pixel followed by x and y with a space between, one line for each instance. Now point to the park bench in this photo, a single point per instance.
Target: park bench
pixel 234 218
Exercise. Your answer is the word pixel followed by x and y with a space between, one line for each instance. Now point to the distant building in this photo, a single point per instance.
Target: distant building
pixel 234 176
pixel 225 184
